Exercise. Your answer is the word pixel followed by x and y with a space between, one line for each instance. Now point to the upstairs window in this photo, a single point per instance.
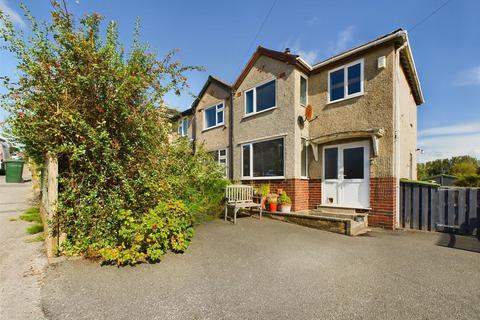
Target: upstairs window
pixel 345 82
pixel 260 98
pixel 183 127
pixel 214 116
pixel 303 91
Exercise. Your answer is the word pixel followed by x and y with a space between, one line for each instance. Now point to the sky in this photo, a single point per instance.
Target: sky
pixel 222 35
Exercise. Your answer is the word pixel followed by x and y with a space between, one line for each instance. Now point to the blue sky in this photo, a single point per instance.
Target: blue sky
pixel 217 35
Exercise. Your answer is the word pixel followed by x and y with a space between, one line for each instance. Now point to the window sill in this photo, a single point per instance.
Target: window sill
pixel 263 178
pixel 356 95
pixel 214 127
pixel 259 112
pixel 304 178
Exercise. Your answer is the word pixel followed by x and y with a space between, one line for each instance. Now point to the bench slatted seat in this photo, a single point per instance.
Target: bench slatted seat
pixel 240 196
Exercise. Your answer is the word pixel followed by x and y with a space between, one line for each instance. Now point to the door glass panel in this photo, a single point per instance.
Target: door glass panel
pixel 353 163
pixel 331 163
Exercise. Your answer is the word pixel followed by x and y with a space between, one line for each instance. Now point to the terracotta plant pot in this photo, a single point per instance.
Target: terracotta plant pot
pixel 273 207
pixel 285 208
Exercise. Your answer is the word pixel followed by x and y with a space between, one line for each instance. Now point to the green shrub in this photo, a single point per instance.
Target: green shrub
pixel 264 190
pixel 99 110
pixel 284 198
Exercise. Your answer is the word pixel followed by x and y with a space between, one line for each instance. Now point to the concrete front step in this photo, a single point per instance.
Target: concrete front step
pixel 333 223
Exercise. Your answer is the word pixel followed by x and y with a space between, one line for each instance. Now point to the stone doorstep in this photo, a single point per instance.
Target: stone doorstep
pixel 335 223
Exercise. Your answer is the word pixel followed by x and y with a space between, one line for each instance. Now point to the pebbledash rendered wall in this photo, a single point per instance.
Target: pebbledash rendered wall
pixel 373 109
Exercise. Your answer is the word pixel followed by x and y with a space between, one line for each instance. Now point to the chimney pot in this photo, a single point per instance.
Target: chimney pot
pixel 287 50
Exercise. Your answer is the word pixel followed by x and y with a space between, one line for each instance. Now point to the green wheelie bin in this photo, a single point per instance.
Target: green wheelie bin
pixel 13 171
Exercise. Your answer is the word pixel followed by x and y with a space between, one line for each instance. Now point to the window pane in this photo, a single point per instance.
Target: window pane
pixel 223 152
pixel 249 97
pixel 210 117
pixel 336 85
pixel 220 116
pixel 303 91
pixel 304 158
pixel 246 161
pixel 353 163
pixel 354 82
pixel 331 163
pixel 266 96
pixel 268 158
pixel 185 127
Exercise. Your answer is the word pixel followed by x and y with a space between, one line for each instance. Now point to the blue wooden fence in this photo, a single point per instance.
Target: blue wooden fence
pixel 431 208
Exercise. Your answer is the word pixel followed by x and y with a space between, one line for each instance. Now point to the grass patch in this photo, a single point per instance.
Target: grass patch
pixel 31 215
pixel 35 228
pixel 38 238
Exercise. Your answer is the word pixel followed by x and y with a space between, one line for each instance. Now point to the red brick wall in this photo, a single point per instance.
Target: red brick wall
pixel 305 194
pixel 382 202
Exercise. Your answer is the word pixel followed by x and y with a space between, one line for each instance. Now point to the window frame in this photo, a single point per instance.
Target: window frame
pixel 180 129
pixel 225 157
pixel 250 145
pixel 306 176
pixel 345 81
pixel 217 111
pixel 254 89
pixel 306 90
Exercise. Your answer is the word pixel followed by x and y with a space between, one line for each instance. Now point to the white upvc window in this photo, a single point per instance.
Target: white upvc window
pixel 261 98
pixel 214 116
pixel 263 159
pixel 183 127
pixel 346 81
pixel 304 159
pixel 303 91
pixel 223 160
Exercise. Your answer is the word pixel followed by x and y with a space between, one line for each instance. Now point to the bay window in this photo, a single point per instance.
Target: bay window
pixel 263 159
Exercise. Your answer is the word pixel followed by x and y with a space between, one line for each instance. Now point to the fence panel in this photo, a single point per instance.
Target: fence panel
pixel 427 207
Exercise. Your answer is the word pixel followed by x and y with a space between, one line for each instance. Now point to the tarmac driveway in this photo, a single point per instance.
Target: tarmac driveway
pixel 274 270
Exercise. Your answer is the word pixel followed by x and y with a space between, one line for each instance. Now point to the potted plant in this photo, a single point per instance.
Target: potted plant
pixel 286 203
pixel 263 191
pixel 272 202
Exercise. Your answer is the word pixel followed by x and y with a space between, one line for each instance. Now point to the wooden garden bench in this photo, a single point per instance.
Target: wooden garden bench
pixel 240 196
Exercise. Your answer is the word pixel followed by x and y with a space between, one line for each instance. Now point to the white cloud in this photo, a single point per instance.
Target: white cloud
pixel 451 130
pixel 469 77
pixel 14 16
pixel 313 21
pixel 344 38
pixel 296 47
pixel 449 141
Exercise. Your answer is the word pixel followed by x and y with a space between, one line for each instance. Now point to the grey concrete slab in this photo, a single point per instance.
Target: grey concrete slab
pixel 274 270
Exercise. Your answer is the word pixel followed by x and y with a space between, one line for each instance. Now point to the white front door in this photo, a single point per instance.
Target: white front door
pixel 346 169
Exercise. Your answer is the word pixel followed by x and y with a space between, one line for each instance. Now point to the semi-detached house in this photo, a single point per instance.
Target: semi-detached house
pixel 351 153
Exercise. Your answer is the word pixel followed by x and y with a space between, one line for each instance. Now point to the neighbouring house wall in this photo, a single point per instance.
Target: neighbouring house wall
pixel 214 138
pixel 273 123
pixel 408 129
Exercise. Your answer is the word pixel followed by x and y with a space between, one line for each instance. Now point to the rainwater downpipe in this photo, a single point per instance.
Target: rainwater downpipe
pixel 397 134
